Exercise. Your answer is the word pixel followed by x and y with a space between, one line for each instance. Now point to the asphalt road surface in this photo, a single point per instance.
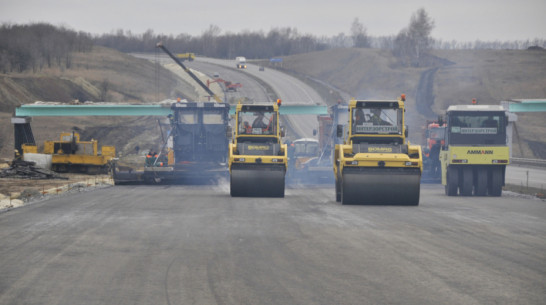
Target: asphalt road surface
pixel 197 245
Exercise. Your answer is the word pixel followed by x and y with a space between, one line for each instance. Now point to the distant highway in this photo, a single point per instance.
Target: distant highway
pixel 289 89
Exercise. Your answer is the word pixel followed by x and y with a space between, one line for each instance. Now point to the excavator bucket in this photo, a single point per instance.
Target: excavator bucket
pixel 257 180
pixel 381 186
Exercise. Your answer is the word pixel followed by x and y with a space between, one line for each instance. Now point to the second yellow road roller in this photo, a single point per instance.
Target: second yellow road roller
pixel 376 165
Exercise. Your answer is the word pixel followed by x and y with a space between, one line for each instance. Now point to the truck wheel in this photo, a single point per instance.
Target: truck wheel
pixel 467 181
pixel 495 182
pixel 452 182
pixel 480 183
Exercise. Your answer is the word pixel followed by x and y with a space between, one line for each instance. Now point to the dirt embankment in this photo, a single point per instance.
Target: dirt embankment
pixel 103 75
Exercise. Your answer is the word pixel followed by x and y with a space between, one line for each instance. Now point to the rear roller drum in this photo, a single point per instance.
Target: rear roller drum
pixel 380 186
pixel 257 182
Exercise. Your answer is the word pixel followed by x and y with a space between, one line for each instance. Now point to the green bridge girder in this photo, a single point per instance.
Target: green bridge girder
pixel 35 110
pixel 527 105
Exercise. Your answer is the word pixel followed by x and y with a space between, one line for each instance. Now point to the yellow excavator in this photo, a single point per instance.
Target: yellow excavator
pixel 376 165
pixel 257 156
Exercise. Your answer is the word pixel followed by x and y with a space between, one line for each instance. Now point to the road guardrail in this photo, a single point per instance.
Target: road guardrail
pixel 525 161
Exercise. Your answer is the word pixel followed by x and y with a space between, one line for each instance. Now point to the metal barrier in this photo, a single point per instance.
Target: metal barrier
pixel 525 161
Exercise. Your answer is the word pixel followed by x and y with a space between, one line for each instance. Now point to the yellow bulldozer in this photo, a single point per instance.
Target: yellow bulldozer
pixel 376 163
pixel 70 154
pixel 257 157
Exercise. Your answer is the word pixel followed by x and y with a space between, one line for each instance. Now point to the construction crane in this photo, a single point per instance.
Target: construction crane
pixel 162 47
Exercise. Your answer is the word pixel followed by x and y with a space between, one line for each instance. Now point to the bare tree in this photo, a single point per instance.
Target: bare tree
pixel 359 35
pixel 414 41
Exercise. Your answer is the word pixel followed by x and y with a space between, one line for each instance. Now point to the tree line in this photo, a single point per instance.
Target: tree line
pixel 32 47
pixel 35 46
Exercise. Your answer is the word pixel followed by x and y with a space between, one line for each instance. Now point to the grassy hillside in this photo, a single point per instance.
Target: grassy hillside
pixel 490 76
pixel 103 75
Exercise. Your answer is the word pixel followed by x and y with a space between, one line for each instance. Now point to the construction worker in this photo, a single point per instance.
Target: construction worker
pixel 150 159
pixel 376 117
pixel 247 127
pixel 359 117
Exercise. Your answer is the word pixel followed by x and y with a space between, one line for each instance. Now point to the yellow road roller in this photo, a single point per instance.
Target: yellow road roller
pixel 376 164
pixel 257 156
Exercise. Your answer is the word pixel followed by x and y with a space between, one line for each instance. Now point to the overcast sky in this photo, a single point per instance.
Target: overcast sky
pixel 461 20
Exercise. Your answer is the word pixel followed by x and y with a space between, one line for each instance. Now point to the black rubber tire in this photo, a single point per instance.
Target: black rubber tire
pixel 495 182
pixel 466 183
pixel 452 183
pixel 480 182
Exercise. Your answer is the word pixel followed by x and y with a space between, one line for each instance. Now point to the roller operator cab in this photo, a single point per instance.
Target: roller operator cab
pixel 376 163
pixel 475 153
pixel 257 156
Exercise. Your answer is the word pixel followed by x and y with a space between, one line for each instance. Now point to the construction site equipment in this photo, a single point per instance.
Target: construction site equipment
pixel 310 160
pixel 229 86
pixel 195 149
pixel 376 164
pixel 191 74
pixel 434 139
pixel 475 153
pixel 300 153
pixel 70 154
pixel 186 56
pixel 257 156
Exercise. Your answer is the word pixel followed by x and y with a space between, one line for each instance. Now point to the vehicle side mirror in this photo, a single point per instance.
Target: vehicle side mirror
pixel 283 133
pixel 406 133
pixel 314 132
pixel 339 131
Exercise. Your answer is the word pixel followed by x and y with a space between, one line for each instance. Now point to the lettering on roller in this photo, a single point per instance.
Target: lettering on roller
pixel 258 147
pixel 479 152
pixel 379 149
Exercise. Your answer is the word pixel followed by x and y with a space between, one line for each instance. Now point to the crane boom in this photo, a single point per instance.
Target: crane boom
pixel 162 47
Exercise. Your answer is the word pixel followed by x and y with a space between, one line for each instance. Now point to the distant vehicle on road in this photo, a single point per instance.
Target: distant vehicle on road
pixel 241 62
